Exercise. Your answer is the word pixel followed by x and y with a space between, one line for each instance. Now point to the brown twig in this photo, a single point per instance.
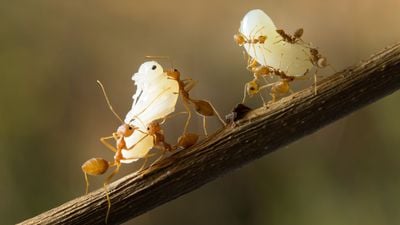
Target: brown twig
pixel 260 132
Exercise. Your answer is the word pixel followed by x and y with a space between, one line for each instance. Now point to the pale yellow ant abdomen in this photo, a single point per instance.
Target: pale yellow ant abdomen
pixel 95 166
pixel 187 140
pixel 281 87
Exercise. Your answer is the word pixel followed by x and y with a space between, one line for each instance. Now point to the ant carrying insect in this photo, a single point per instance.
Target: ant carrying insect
pixel 98 166
pixel 202 107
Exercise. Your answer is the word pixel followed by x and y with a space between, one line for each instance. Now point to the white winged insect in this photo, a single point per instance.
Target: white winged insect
pixel 275 53
pixel 155 99
pixel 270 54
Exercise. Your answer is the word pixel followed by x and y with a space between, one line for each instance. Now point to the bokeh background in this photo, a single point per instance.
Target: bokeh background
pixel 52 113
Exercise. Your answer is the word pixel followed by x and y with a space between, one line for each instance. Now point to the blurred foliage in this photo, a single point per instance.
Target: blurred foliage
pixel 52 113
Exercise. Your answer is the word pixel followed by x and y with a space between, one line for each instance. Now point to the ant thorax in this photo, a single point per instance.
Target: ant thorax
pixel 291 58
pixel 155 98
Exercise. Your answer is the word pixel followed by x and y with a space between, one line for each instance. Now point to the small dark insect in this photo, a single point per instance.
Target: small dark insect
pixel 238 112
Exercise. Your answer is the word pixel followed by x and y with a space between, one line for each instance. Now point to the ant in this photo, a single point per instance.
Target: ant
pixel 319 62
pixel 252 40
pixel 277 88
pixel 203 107
pixel 292 39
pixel 98 166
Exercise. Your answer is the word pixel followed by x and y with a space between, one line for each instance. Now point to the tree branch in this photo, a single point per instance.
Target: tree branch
pixel 260 132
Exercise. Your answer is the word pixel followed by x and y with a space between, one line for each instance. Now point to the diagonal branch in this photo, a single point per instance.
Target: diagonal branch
pixel 260 132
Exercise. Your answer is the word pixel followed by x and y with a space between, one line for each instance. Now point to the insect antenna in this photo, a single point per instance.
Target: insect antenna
pixel 161 57
pixel 108 101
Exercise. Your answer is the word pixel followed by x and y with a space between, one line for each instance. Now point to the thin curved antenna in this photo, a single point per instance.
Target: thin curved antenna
pixel 161 57
pixel 108 101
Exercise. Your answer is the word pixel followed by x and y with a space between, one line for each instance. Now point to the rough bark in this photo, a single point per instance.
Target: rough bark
pixel 260 132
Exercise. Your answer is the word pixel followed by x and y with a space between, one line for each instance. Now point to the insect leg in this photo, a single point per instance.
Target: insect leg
pixel 106 182
pixel 108 145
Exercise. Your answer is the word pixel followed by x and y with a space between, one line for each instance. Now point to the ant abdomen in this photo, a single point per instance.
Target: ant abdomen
pixel 203 107
pixel 95 166
pixel 281 87
pixel 187 140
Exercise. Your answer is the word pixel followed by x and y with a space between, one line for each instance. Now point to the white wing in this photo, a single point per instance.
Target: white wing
pixel 155 98
pixel 292 59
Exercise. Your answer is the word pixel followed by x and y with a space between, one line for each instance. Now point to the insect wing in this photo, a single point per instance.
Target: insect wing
pixel 293 59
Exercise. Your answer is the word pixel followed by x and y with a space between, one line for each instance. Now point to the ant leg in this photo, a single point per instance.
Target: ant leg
pixel 87 183
pixel 159 158
pixel 262 98
pixel 190 85
pixel 333 69
pixel 244 93
pixel 186 105
pixel 204 126
pixel 217 114
pixel 108 145
pixel 146 158
pixel 267 85
pixel 315 82
pixel 171 116
pixel 106 189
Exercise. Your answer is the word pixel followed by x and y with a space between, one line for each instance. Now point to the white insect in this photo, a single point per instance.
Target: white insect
pixel 155 98
pixel 293 59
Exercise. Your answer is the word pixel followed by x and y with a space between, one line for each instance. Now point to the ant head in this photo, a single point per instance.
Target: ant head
pixel 126 130
pixel 313 51
pixel 150 67
pixel 262 38
pixel 239 39
pixel 252 88
pixel 173 74
pixel 153 128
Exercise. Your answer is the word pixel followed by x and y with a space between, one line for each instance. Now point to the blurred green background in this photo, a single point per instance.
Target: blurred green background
pixel 52 113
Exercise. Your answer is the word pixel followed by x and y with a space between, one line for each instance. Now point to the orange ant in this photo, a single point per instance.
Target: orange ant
pixel 319 62
pixel 252 40
pixel 241 39
pixel 277 88
pixel 203 107
pixel 98 166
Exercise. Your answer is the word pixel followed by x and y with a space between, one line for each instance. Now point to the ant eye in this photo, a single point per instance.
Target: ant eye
pixel 130 128
pixel 154 67
pixel 175 70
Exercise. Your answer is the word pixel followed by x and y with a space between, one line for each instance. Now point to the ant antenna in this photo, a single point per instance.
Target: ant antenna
pixel 160 57
pixel 108 101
